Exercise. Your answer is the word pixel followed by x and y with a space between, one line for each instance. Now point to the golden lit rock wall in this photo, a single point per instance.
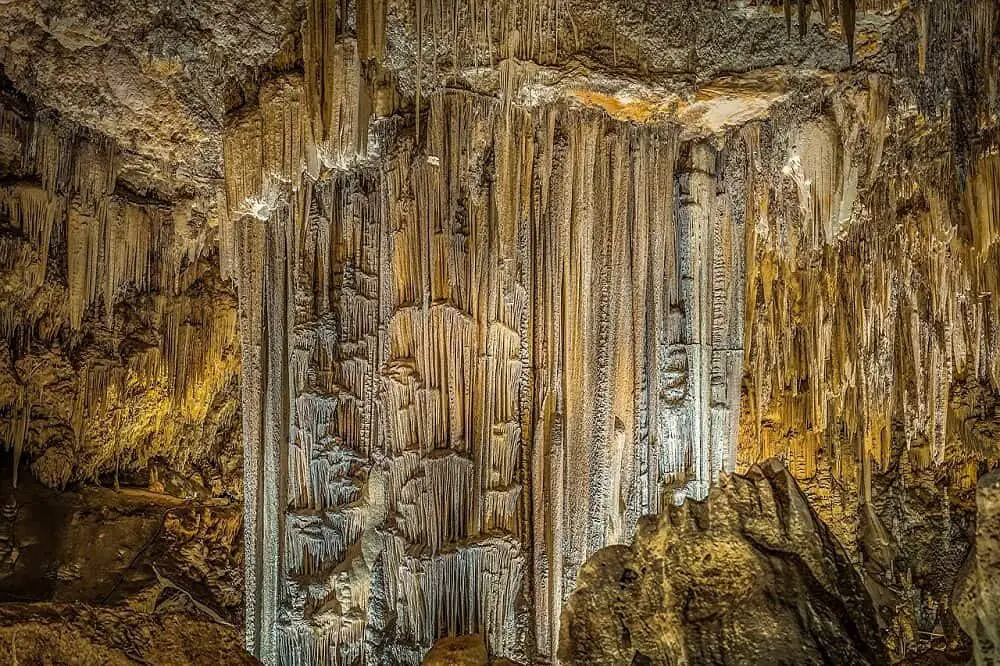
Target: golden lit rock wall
pixel 870 280
pixel 119 339
pixel 871 356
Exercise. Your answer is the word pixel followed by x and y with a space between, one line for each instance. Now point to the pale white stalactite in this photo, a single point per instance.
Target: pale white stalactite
pixel 701 359
pixel 36 213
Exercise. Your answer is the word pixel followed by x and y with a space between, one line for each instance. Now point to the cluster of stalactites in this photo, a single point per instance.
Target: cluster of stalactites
pixel 61 200
pixel 519 310
pixel 296 237
pixel 843 10
pixel 432 315
pixel 979 16
pixel 487 32
pixel 305 125
pixel 856 327
pixel 64 194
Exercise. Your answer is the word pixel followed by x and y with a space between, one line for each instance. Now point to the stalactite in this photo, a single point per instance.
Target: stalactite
pixel 922 16
pixel 83 239
pixel 847 23
pixel 35 212
pixel 20 434
pixel 824 11
pixel 267 150
pixel 862 324
pixel 336 96
pixel 371 30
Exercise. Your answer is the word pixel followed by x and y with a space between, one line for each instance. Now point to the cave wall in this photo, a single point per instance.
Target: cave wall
pixel 120 340
pixel 482 283
pixel 871 353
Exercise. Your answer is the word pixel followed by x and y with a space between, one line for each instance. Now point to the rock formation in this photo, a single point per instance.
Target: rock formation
pixel 750 576
pixel 475 337
pixel 976 593
pixel 443 298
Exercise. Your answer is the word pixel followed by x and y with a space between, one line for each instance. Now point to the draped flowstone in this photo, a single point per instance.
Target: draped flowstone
pixel 470 364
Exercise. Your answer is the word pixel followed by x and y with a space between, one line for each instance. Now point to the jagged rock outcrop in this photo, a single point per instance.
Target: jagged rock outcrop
pixel 749 576
pixel 977 591
pixel 96 576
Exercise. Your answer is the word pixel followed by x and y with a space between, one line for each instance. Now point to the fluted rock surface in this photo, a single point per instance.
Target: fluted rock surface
pixel 476 402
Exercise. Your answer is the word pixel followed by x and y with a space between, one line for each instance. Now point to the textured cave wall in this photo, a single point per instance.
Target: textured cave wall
pixel 120 341
pixel 482 283
pixel 871 346
pixel 120 361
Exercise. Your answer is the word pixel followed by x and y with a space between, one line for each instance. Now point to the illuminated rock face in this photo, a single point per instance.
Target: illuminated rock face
pixel 482 283
pixel 120 362
pixel 976 594
pixel 121 345
pixel 478 347
pixel 750 576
